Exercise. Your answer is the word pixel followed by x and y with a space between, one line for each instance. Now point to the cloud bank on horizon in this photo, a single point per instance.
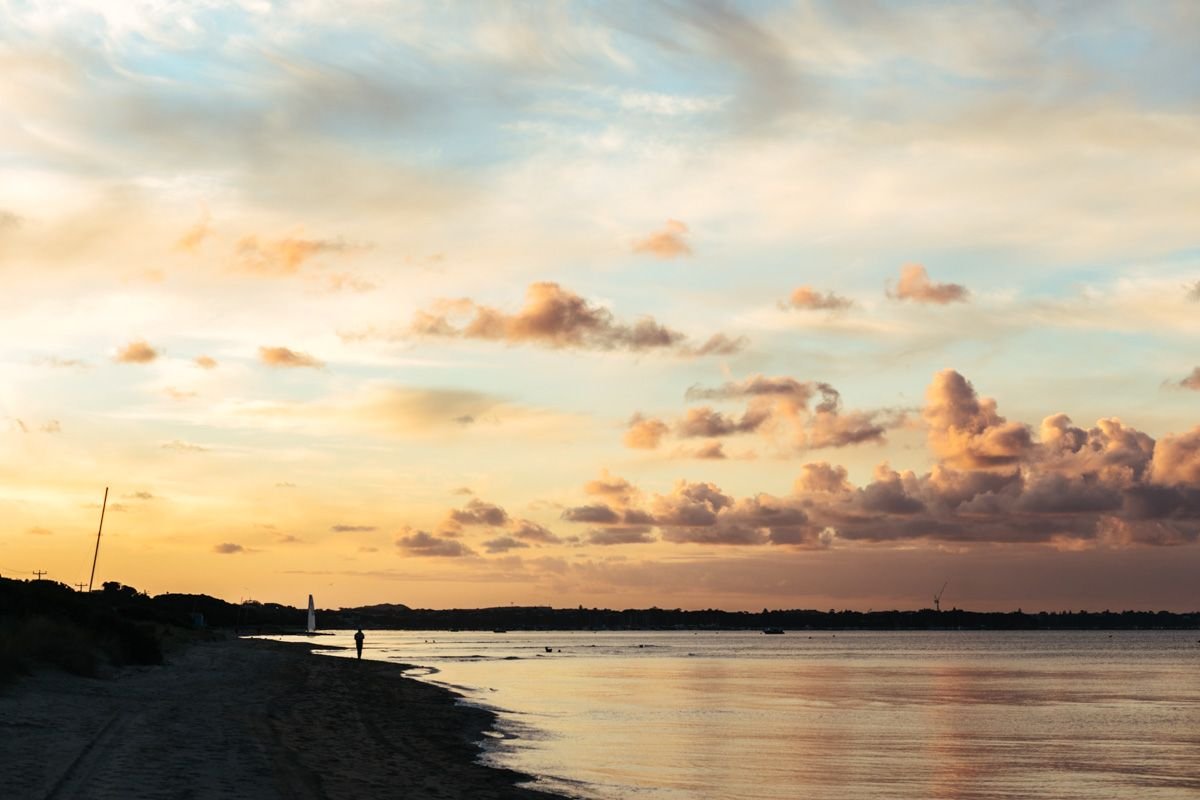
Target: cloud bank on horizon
pixel 620 304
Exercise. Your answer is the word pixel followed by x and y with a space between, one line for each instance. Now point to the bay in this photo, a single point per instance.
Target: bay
pixel 681 715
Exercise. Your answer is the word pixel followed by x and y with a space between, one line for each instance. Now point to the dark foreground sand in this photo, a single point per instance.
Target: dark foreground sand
pixel 244 719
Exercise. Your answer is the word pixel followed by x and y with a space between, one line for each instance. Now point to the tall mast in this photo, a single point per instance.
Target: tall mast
pixel 95 556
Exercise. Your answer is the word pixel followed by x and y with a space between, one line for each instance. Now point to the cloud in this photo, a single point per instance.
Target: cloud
pixel 595 513
pixel 179 444
pixel 423 543
pixel 613 487
pixel 1194 292
pixel 136 352
pixel 557 318
pixel 915 285
pixel 9 220
pixel 704 422
pixel 64 363
pixel 502 544
pixel 342 528
pixel 1177 460
pixel 51 426
pixel 666 243
pixel 287 358
pixel 40 531
pixel 528 531
pixel 142 495
pixel 992 482
pixel 205 362
pixel 190 241
pixel 808 413
pixel 604 537
pixel 821 476
pixel 719 344
pixel 553 317
pixel 284 257
pixel 806 298
pixel 229 548
pixel 478 512
pixel 645 433
pixel 711 451
pixel 346 282
pixel 1192 381
pixel 966 431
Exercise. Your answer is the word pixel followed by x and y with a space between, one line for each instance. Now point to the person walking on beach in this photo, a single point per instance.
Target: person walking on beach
pixel 358 640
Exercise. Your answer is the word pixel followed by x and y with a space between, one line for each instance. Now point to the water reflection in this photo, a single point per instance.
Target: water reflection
pixel 912 715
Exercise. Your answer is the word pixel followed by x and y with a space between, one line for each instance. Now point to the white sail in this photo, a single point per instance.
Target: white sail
pixel 312 615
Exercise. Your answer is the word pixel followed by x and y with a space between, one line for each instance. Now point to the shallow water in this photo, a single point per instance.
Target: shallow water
pixel 674 715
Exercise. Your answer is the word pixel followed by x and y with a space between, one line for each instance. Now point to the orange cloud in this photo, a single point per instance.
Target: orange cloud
pixel 666 243
pixel 965 430
pixel 192 238
pixel 137 352
pixel 552 317
pixel 781 404
pixel 287 358
pixel 915 285
pixel 284 257
pixel 205 362
pixel 806 298
pixel 645 434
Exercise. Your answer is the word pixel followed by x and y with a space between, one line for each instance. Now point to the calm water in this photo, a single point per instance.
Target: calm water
pixel 853 715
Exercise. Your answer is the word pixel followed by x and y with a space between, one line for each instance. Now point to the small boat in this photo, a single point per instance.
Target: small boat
pixel 499 630
pixel 775 631
pixel 311 628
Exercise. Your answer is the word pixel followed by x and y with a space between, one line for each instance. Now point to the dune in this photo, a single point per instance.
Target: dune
pixel 246 719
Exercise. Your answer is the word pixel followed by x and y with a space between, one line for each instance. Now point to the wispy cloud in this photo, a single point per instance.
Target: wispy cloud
pixel 806 298
pixel 288 359
pixel 669 242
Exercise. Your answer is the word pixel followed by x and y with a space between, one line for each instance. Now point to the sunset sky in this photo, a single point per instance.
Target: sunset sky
pixel 626 304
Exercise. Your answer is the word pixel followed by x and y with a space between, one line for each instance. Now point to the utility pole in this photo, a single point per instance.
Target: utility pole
pixel 79 586
pixel 39 573
pixel 95 556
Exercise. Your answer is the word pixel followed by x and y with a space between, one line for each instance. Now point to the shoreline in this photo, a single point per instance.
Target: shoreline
pixel 248 718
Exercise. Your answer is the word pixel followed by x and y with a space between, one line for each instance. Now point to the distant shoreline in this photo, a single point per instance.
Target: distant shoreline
pixel 248 718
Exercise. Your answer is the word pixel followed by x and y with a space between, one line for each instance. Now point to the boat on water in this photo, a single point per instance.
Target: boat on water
pixel 775 631
pixel 312 617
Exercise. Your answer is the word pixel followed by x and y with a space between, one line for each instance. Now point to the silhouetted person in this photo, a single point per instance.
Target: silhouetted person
pixel 358 640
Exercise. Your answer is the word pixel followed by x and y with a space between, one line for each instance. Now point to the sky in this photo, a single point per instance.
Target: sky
pixel 688 305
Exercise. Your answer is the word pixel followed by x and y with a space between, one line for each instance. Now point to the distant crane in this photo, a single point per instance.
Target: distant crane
pixel 937 598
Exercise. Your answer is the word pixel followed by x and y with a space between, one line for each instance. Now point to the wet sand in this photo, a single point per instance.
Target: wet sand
pixel 245 719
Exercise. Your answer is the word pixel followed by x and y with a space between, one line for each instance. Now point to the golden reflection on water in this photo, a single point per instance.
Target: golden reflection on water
pixel 856 716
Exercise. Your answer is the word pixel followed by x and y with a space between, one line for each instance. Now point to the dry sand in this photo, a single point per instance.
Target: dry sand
pixel 244 719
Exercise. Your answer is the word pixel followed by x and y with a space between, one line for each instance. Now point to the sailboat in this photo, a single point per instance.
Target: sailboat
pixel 312 617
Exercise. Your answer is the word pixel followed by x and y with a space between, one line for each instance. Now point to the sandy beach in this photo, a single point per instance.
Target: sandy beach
pixel 244 719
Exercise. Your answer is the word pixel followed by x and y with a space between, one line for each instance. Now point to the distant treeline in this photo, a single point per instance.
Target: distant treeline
pixel 47 621
pixel 546 618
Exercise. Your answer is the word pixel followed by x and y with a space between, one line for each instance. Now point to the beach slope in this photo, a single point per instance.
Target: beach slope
pixel 245 719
